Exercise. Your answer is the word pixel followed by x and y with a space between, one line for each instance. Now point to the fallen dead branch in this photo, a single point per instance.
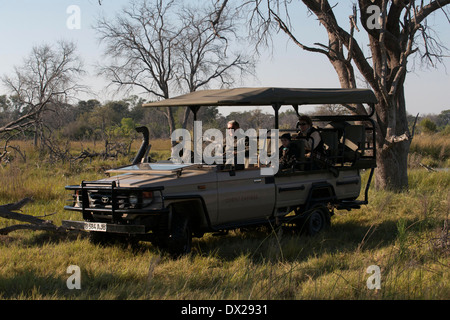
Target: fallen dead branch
pixel 429 169
pixel 8 211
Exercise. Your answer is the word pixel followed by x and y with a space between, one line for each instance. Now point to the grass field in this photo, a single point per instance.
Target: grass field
pixel 405 234
pixel 432 150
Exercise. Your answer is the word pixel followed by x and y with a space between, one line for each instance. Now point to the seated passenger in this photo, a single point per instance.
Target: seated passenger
pixel 288 152
pixel 313 140
pixel 240 145
pixel 314 147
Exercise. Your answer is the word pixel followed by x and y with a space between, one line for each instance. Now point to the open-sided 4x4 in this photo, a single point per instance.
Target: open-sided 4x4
pixel 169 203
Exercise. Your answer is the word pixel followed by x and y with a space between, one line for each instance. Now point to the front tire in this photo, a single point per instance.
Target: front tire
pixel 180 238
pixel 100 238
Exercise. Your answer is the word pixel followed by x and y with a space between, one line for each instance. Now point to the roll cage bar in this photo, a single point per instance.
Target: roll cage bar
pixel 275 97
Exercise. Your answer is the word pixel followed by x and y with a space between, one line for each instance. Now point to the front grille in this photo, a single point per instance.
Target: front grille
pixel 103 200
pixel 107 200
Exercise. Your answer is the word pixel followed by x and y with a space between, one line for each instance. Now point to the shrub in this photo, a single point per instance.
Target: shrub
pixel 428 126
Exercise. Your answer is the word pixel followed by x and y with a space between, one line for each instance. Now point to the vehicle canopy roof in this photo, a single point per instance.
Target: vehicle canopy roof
pixel 267 96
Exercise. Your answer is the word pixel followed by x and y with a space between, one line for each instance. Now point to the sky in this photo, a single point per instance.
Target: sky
pixel 27 23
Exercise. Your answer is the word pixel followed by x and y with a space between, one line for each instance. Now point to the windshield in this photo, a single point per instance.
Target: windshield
pixel 154 167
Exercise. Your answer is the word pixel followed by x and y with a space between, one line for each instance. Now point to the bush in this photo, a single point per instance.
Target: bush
pixel 446 130
pixel 428 126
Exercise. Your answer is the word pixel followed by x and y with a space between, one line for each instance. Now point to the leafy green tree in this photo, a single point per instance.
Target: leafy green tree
pixel 127 128
pixel 446 130
pixel 443 118
pixel 428 126
pixel 86 106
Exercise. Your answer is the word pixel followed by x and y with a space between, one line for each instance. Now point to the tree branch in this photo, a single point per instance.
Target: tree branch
pixel 286 30
pixel 391 140
pixel 425 11
pixel 32 223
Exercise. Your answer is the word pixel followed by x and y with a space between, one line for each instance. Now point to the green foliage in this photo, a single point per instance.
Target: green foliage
pixel 428 126
pixel 126 129
pixel 446 130
pixel 444 118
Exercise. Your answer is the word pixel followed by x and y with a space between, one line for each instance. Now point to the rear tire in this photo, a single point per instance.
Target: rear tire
pixel 315 220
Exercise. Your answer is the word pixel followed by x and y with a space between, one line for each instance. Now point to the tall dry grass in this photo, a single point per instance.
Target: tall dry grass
pixel 430 149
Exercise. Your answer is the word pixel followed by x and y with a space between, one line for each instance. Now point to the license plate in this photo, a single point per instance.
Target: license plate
pixel 95 226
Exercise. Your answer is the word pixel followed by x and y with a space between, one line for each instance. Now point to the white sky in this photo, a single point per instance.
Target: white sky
pixel 25 23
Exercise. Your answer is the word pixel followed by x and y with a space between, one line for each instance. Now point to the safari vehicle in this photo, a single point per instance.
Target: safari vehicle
pixel 169 203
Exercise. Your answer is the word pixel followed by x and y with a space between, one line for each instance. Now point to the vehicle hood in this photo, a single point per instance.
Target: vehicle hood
pixel 166 175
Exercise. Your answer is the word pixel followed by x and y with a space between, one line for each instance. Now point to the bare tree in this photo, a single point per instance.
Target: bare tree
pixel 163 48
pixel 48 77
pixel 141 41
pixel 204 54
pixel 397 30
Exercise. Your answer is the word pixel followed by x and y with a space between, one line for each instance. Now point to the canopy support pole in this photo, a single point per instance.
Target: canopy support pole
pixel 295 106
pixel 276 108
pixel 194 110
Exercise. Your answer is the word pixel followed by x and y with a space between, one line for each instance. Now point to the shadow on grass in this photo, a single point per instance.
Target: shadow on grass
pixel 259 244
pixel 289 246
pixel 40 239
pixel 30 284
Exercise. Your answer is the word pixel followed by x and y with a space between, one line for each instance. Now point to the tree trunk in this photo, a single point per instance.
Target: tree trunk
pixel 392 125
pixel 393 142
pixel 186 114
pixel 391 171
pixel 171 121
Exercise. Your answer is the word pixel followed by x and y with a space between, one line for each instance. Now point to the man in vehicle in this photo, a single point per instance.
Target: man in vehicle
pixel 240 145
pixel 313 140
pixel 314 148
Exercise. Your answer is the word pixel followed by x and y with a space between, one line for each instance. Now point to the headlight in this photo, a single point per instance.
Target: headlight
pixel 147 198
pixel 140 200
pixel 133 199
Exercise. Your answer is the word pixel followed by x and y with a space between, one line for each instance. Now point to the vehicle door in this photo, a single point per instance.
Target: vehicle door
pixel 244 195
